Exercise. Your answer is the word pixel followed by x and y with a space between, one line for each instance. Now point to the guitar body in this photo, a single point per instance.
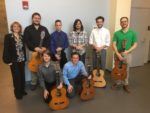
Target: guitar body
pixel 35 61
pixel 98 79
pixel 88 91
pixel 119 73
pixel 58 102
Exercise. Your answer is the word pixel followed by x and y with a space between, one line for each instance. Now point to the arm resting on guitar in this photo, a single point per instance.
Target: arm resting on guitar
pixel 116 51
pixel 132 48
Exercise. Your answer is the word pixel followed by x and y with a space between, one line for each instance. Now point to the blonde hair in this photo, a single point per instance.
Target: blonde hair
pixel 17 23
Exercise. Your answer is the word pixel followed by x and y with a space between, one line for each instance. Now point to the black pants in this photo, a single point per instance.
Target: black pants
pixel 82 58
pixel 49 87
pixel 63 59
pixel 18 75
pixel 77 86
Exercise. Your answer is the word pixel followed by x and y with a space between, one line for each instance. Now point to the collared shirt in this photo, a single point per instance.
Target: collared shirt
pixel 58 39
pixel 48 74
pixel 71 71
pixel 78 38
pixel 32 37
pixel 100 37
pixel 129 37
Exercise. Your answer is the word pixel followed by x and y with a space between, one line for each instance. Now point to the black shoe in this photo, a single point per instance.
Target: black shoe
pixel 33 87
pixel 24 93
pixel 113 87
pixel 126 88
pixel 19 97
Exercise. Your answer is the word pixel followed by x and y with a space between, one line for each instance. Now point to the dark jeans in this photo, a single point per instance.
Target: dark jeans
pixel 49 87
pixel 18 75
pixel 63 59
pixel 82 58
pixel 77 86
pixel 101 61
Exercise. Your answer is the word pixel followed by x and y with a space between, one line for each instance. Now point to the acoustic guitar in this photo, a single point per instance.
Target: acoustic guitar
pixel 36 58
pixel 119 72
pixel 98 75
pixel 59 99
pixel 88 90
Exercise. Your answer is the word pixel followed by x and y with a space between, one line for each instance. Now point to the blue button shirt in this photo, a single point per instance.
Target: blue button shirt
pixel 55 38
pixel 71 71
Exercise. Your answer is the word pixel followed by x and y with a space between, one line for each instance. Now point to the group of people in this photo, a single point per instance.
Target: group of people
pixel 52 47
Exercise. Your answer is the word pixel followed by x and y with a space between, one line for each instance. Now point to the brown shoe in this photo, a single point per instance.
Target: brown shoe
pixel 113 87
pixel 126 88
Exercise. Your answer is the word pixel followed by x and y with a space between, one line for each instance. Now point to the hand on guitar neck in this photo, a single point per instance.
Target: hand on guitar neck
pixel 97 49
pixel 40 49
pixel 58 53
pixel 122 55
pixel 79 47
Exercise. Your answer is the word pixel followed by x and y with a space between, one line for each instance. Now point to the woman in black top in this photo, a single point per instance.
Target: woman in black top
pixel 14 56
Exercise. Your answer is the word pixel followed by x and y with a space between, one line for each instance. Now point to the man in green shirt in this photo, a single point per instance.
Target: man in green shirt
pixel 129 36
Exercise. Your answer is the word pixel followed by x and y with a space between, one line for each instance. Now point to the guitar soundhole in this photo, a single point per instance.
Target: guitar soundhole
pixel 87 93
pixel 58 94
pixel 97 73
pixel 58 103
pixel 98 81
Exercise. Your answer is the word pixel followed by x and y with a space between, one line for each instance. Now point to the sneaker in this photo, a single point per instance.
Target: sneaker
pixel 19 97
pixel 126 88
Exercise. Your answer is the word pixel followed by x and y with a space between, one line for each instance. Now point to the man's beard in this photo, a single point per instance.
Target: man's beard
pixel 36 24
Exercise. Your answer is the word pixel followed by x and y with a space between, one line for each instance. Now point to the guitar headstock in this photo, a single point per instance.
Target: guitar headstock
pixel 42 34
pixel 124 42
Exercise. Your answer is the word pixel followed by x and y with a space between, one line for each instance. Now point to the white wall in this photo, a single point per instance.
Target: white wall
pixel 50 10
pixel 66 10
pixel 141 15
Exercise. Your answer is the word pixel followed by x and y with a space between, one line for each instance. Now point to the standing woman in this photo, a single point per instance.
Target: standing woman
pixel 14 56
pixel 78 39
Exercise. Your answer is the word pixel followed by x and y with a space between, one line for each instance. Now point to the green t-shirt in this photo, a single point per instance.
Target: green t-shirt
pixel 129 36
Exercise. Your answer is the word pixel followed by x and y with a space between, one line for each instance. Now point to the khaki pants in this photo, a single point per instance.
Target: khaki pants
pixel 34 77
pixel 126 81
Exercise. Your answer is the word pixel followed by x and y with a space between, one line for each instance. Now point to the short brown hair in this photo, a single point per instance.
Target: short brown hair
pixel 36 14
pixel 100 17
pixel 17 23
pixel 124 17
pixel 47 52
pixel 57 21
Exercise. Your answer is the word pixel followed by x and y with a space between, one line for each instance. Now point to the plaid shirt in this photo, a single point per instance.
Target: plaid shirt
pixel 78 39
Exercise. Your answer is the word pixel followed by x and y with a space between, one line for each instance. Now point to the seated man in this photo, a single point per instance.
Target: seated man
pixel 47 76
pixel 73 73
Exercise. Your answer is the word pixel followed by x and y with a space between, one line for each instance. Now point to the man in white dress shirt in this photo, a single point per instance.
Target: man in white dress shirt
pixel 100 41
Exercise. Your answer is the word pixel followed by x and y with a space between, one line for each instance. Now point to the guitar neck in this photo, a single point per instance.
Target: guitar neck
pixel 41 42
pixel 98 59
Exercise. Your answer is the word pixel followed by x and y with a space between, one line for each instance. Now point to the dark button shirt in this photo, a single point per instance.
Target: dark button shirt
pixel 48 74
pixel 58 39
pixel 32 37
